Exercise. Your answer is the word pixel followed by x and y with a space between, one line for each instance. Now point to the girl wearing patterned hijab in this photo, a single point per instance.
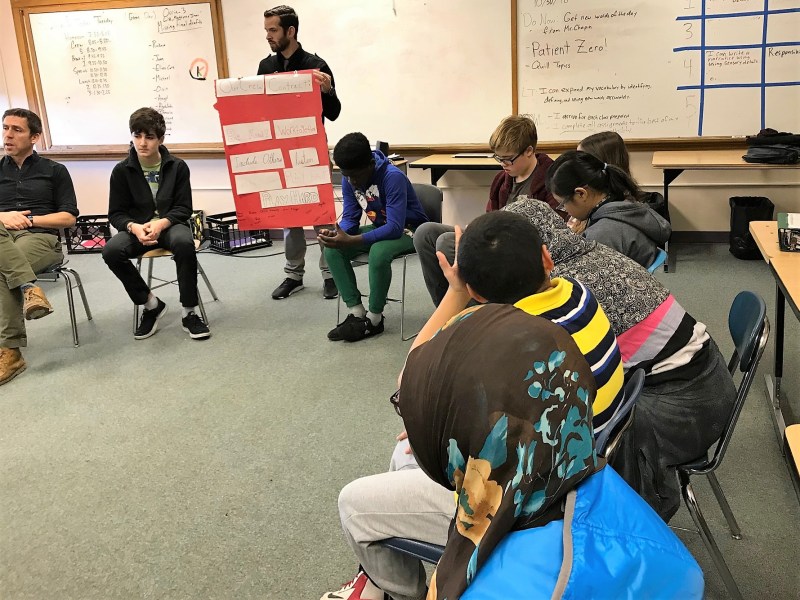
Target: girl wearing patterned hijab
pixel 688 394
pixel 497 408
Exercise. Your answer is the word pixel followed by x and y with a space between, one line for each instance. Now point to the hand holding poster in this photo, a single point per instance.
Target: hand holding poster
pixel 276 150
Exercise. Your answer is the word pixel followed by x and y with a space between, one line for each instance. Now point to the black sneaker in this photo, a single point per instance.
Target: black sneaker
pixel 195 327
pixel 148 324
pixel 287 288
pixel 329 289
pixel 335 334
pixel 355 329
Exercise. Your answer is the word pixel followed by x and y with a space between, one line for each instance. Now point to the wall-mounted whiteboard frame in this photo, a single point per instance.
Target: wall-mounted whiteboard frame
pixel 22 11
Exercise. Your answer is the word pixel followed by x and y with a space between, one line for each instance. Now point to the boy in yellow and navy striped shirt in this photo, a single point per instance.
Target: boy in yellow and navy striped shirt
pixel 501 259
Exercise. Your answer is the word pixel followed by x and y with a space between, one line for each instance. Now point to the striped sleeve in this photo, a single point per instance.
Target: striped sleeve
pixel 584 319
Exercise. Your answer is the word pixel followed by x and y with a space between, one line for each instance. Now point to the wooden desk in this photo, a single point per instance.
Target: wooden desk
pixel 785 268
pixel 674 163
pixel 793 445
pixel 439 164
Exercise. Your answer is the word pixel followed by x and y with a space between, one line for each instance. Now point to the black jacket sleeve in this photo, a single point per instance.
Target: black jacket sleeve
pixel 119 200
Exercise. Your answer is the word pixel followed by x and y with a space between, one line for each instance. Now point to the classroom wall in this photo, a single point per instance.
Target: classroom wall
pixel 699 201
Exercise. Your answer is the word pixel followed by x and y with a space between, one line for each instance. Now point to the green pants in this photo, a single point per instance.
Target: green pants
pixel 381 255
pixel 22 254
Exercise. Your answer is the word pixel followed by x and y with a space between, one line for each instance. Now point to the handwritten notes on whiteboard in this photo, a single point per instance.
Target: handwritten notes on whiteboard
pixel 98 66
pixel 277 150
pixel 658 69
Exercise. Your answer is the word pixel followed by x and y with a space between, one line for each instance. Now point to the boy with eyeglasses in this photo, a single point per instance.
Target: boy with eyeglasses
pixel 523 174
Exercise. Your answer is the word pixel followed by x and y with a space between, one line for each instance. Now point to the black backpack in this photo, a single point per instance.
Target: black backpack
pixel 773 147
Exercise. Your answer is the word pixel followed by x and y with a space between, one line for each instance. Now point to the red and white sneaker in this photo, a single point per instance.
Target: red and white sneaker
pixel 360 588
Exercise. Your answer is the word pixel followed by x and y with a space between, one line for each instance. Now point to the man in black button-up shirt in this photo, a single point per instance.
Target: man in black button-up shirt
pixel 36 200
pixel 281 24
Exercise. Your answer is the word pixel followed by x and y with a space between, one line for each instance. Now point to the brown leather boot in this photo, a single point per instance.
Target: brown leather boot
pixel 11 364
pixel 36 304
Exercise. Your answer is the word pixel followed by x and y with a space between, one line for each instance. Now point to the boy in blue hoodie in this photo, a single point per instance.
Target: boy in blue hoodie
pixel 370 184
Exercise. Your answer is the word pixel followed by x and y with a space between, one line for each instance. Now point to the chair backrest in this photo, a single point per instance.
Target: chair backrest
pixel 608 439
pixel 749 329
pixel 660 259
pixel 430 197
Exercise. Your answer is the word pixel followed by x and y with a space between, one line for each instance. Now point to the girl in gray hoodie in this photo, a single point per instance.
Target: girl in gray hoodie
pixel 604 195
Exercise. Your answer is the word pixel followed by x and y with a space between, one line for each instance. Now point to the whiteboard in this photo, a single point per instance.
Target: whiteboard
pixel 407 71
pixel 646 69
pixel 98 66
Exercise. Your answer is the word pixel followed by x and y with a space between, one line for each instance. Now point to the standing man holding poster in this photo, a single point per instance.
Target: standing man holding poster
pixel 281 24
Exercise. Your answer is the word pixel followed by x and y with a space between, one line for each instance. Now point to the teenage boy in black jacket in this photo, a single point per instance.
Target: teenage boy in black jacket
pixel 149 203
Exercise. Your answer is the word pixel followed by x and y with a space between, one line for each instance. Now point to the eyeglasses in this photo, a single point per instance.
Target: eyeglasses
pixel 395 400
pixel 507 161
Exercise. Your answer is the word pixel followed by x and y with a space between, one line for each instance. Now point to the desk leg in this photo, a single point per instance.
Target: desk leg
pixel 669 176
pixel 773 385
pixel 436 174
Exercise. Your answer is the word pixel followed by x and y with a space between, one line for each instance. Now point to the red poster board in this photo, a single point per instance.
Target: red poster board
pixel 276 150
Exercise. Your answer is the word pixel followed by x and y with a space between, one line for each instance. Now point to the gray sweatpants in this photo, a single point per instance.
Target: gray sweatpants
pixel 403 502
pixel 294 240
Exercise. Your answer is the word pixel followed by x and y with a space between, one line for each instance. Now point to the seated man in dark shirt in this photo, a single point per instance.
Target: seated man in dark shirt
pixel 36 200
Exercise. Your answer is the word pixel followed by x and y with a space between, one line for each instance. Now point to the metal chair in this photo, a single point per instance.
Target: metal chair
pixel 430 197
pixel 160 252
pixel 660 259
pixel 749 329
pixel 429 553
pixel 608 440
pixel 605 443
pixel 71 280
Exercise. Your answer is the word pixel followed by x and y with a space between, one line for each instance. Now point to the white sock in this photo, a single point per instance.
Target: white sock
pixel 358 310
pixel 189 309
pixel 152 302
pixel 374 318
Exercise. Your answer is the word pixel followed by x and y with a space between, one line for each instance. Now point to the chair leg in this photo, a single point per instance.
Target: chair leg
pixel 208 283
pixel 201 306
pixel 79 285
pixel 736 532
pixel 71 302
pixel 136 306
pixel 150 272
pixel 708 539
pixel 403 304
pixel 338 309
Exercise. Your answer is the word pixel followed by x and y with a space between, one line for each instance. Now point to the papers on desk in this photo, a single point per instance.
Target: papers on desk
pixel 472 155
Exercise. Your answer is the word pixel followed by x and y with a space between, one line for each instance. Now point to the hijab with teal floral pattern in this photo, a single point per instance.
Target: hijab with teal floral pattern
pixel 498 408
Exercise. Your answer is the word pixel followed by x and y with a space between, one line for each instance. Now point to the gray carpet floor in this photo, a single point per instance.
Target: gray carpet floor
pixel 171 468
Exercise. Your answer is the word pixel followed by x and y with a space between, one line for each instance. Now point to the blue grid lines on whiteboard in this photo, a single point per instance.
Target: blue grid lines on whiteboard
pixel 704 47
